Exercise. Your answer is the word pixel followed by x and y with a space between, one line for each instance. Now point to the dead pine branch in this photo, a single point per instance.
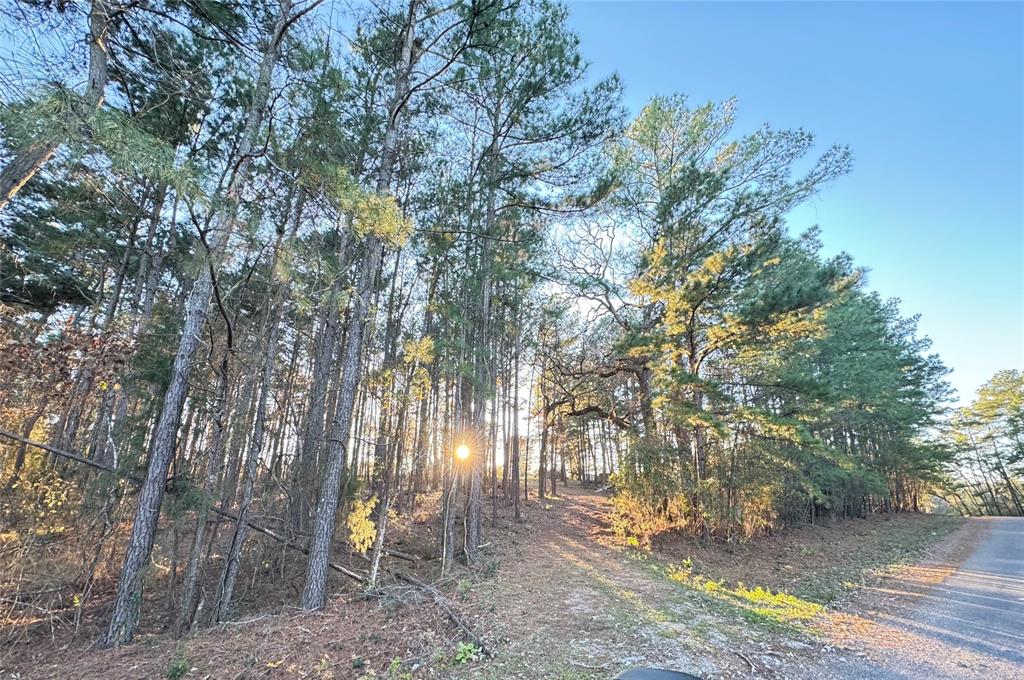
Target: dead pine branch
pixel 449 609
pixel 747 659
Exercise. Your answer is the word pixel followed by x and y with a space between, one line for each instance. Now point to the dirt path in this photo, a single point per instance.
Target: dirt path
pixel 565 605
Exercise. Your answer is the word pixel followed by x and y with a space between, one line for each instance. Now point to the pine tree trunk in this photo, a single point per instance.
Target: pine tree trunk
pixel 230 571
pixel 324 349
pixel 483 367
pixel 381 476
pixel 423 426
pixel 30 159
pixel 314 593
pixel 124 618
pixel 515 430
pixel 543 465
pixel 125 615
pixel 214 455
pixel 275 314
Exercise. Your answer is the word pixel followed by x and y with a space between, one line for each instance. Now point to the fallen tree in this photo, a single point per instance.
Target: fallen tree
pixel 439 599
pixel 217 511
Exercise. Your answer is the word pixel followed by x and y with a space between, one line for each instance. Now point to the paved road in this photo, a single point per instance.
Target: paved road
pixel 981 606
pixel 969 626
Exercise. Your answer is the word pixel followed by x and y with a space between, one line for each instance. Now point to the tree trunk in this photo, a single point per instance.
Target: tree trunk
pixel 27 426
pixel 423 425
pixel 186 610
pixel 124 618
pixel 543 464
pixel 314 593
pixel 30 159
pixel 324 350
pixel 515 431
pixel 230 571
pixel 275 313
pixel 1012 488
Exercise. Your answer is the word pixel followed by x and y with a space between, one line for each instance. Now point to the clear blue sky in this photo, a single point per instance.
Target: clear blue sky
pixel 929 97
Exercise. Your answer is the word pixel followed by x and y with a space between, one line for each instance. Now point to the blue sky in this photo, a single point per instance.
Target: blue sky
pixel 930 98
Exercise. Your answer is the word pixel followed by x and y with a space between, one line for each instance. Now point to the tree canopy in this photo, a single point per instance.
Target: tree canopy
pixel 278 261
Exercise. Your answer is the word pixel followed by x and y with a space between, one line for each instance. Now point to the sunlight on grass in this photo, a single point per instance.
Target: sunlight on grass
pixel 757 604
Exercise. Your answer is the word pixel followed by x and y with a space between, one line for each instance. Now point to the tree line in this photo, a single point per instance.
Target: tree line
pixel 279 261
pixel 986 441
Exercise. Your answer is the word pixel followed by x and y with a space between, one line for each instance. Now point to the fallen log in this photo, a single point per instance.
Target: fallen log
pixel 408 557
pixel 217 511
pixel 393 553
pixel 70 456
pixel 294 546
pixel 448 608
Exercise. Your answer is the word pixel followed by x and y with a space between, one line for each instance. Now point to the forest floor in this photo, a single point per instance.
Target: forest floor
pixel 571 604
pixel 555 597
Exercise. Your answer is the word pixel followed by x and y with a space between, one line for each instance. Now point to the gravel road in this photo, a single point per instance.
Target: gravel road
pixel 969 626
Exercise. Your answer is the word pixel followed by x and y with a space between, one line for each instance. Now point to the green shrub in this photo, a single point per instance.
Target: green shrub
pixel 179 667
pixel 466 652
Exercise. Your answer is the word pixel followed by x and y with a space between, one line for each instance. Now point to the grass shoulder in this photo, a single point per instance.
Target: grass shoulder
pixel 787 580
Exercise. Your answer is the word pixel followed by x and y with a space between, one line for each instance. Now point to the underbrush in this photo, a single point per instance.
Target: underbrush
pixel 791 578
pixel 758 604
pixel 644 508
pixel 63 541
pixel 55 554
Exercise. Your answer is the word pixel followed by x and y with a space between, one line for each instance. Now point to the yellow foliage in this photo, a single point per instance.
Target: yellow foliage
pixel 779 607
pixel 716 263
pixel 420 384
pixel 42 496
pixel 361 530
pixel 419 351
pixel 372 213
pixel 380 215
pixel 635 520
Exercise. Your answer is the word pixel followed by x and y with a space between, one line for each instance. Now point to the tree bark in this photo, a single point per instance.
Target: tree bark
pixel 30 159
pixel 125 615
pixel 324 349
pixel 314 593
pixel 230 571
pixel 186 610
pixel 275 313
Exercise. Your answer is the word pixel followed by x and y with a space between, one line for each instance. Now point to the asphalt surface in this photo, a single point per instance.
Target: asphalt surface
pixel 969 626
pixel 981 606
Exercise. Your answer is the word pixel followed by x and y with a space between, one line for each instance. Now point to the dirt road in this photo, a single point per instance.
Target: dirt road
pixel 569 607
